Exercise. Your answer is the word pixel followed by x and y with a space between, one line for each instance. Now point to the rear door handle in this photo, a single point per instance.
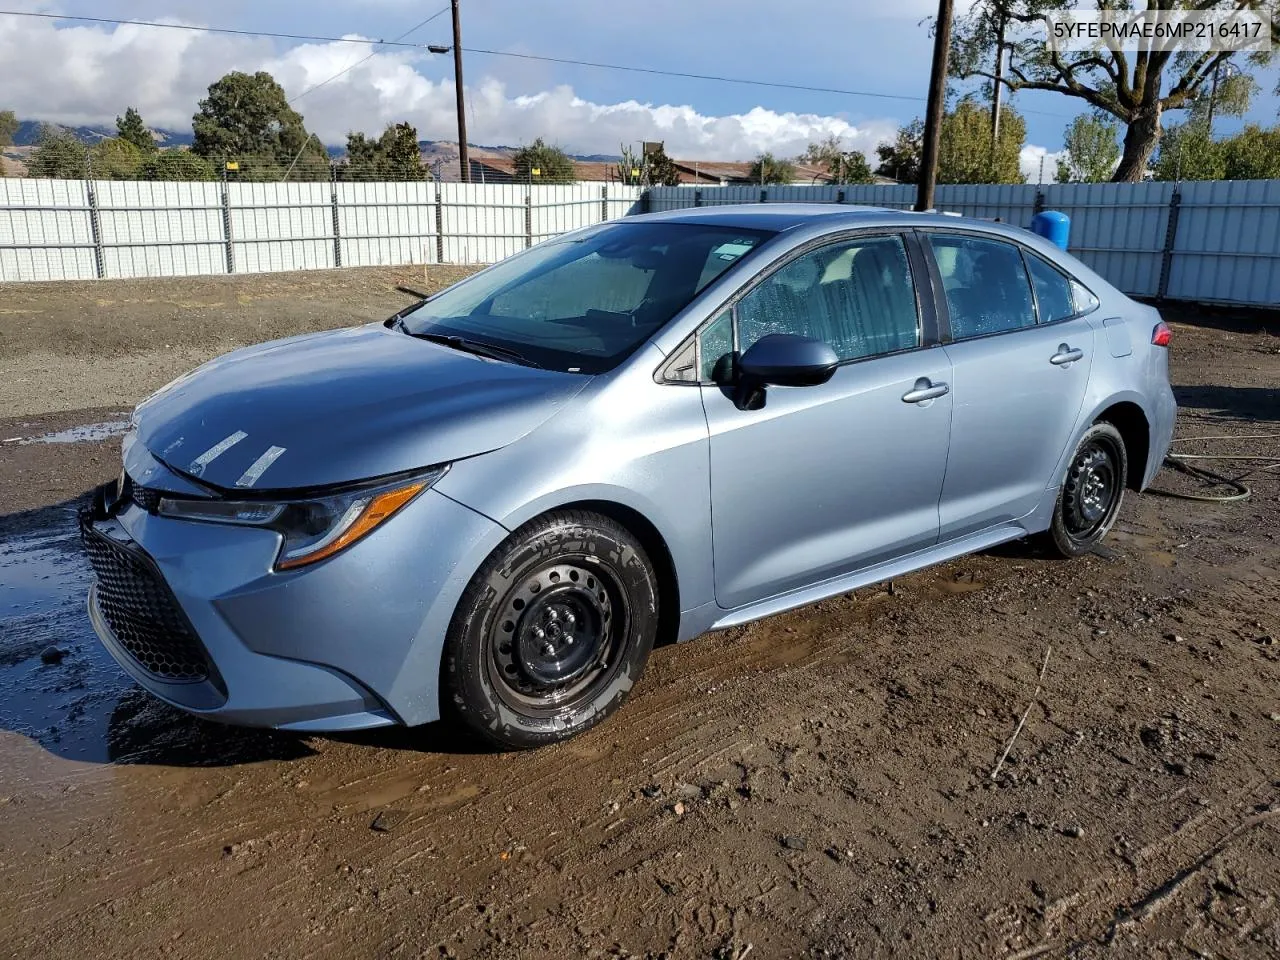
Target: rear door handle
pixel 925 389
pixel 1066 355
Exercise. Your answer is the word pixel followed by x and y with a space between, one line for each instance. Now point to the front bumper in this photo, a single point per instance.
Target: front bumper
pixel 352 642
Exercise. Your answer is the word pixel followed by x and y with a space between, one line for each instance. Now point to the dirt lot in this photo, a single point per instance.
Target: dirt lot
pixel 818 784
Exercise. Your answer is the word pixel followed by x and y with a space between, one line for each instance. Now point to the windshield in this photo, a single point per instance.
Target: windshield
pixel 585 303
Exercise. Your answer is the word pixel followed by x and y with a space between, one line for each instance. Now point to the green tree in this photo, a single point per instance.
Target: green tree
pixel 900 160
pixel 662 170
pixel 965 153
pixel 844 166
pixel 59 155
pixel 1229 97
pixel 654 168
pixel 1187 152
pixel 247 118
pixel 1092 150
pixel 131 128
pixel 8 127
pixel 551 163
pixel 115 159
pixel 393 156
pixel 1252 154
pixel 176 165
pixel 1135 88
pixel 770 169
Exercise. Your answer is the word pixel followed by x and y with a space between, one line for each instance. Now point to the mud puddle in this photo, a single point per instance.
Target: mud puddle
pixel 83 433
pixel 58 685
pixel 61 689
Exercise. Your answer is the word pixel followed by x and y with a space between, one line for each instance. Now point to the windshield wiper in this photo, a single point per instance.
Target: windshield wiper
pixel 489 350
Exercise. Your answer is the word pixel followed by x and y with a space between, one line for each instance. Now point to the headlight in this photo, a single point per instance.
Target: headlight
pixel 316 528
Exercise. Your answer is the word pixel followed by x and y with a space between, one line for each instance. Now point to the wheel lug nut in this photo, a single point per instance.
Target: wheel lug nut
pixel 537 633
pixel 548 649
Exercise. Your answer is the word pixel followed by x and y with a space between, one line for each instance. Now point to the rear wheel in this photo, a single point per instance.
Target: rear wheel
pixel 1092 492
pixel 552 632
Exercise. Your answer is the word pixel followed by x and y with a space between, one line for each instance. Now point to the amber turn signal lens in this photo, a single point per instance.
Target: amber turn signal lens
pixel 378 510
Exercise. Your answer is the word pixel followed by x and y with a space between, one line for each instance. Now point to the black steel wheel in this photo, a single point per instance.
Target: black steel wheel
pixel 1092 491
pixel 552 632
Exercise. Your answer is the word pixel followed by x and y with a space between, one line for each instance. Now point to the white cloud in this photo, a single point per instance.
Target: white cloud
pixel 1030 162
pixel 164 73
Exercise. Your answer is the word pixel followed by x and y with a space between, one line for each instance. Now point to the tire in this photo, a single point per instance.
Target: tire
pixel 1092 492
pixel 552 632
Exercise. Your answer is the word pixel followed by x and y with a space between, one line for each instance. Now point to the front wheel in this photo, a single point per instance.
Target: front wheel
pixel 552 632
pixel 1092 492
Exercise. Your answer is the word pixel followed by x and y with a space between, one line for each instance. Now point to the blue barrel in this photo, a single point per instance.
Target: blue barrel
pixel 1054 226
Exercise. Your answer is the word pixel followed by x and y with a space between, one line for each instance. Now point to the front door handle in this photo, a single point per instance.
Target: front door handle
pixel 925 389
pixel 1066 355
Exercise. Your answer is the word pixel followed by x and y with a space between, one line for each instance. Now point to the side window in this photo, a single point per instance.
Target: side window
pixel 715 341
pixel 1053 290
pixel 986 285
pixel 1083 298
pixel 856 295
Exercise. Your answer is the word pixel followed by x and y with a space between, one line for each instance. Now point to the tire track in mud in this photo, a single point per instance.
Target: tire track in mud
pixel 863 730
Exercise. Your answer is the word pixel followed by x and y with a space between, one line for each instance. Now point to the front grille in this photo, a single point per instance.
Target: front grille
pixel 148 500
pixel 142 612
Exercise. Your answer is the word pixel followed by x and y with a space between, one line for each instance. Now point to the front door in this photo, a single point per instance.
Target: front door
pixel 828 479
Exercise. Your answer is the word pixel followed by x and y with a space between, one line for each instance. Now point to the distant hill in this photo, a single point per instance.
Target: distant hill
pixel 28 134
pixel 449 149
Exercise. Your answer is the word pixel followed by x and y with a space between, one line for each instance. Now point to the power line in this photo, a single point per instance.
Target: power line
pixel 772 84
pixel 343 72
pixel 693 76
pixel 193 28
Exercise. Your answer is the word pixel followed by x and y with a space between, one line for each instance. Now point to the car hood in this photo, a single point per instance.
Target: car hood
pixel 342 406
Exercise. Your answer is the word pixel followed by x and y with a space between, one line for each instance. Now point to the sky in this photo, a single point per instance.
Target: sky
pixel 88 74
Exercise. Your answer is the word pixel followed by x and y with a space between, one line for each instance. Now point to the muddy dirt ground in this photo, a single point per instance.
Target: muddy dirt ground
pixel 817 784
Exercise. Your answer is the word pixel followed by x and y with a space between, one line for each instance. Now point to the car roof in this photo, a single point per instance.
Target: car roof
pixel 769 216
pixel 805 221
pixel 828 216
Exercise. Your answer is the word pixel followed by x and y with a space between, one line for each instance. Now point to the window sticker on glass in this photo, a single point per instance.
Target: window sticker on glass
pixel 732 251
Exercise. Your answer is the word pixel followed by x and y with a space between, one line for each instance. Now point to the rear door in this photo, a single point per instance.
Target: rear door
pixel 1020 356
pixel 827 479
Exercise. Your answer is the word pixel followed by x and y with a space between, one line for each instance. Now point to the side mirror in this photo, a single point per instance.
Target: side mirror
pixel 788 360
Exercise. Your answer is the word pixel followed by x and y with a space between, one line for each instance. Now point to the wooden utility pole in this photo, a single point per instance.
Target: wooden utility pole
pixel 464 161
pixel 997 89
pixel 937 101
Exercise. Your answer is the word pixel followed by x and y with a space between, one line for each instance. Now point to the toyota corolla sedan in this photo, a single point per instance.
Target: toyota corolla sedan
pixel 491 506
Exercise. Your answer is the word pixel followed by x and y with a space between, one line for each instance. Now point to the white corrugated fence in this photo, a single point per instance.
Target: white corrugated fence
pixel 1211 242
pixel 84 230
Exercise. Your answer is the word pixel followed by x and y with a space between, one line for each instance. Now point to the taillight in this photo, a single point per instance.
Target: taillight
pixel 1161 335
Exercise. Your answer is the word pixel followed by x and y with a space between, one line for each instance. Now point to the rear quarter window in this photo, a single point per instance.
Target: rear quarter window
pixel 1053 290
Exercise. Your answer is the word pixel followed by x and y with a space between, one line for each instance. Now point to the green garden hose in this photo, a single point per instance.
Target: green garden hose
pixel 1179 462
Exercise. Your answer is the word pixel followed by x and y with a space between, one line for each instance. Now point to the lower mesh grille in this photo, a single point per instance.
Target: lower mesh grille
pixel 148 500
pixel 143 614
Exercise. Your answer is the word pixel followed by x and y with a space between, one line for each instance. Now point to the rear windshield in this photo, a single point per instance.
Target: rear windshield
pixel 586 303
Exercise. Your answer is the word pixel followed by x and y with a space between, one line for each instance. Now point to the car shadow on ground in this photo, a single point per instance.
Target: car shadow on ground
pixel 1230 403
pixel 61 689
